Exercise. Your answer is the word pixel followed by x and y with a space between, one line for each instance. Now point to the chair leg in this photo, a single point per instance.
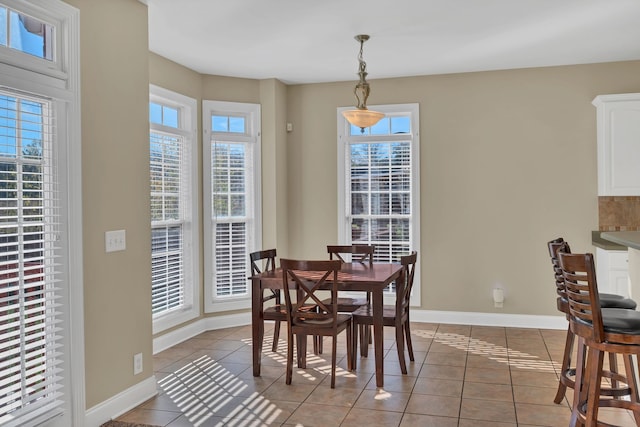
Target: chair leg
pixel 289 373
pixel 334 350
pixel 565 370
pixel 365 337
pixel 632 382
pixel 594 373
pixel 350 348
pixel 407 332
pixel 276 336
pixel 354 346
pixel 400 348
pixel 579 386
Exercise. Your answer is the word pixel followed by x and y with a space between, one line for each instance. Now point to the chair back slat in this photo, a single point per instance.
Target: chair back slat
pixel 403 300
pixel 268 258
pixel 581 288
pixel 555 246
pixel 359 253
pixel 309 279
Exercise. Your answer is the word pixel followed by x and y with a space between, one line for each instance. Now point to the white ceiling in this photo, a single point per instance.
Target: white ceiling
pixel 305 41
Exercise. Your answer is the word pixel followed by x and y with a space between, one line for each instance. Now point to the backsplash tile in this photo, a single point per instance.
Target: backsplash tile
pixel 619 213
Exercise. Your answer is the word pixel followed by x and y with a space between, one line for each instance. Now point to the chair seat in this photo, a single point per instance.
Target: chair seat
pixel 364 314
pixel 606 301
pixel 348 304
pixel 621 321
pixel 275 312
pixel 342 318
pixel 616 301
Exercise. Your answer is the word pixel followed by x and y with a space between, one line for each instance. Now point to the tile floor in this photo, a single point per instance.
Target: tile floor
pixel 462 376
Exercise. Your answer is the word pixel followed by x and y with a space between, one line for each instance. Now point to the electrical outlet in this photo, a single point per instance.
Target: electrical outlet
pixel 137 364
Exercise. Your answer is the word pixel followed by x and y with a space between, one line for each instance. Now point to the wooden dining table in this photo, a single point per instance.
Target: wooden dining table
pixel 351 277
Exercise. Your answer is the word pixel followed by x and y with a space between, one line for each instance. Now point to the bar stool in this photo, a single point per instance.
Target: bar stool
pixel 567 372
pixel 599 330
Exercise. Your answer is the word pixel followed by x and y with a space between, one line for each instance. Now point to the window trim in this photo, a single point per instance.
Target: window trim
pixel 64 89
pixel 253 135
pixel 58 66
pixel 188 128
pixel 343 139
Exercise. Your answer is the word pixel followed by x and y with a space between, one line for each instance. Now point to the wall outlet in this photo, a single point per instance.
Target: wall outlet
pixel 137 364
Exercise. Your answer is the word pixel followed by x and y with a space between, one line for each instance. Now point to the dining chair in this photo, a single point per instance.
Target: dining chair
pixel 275 311
pixel 567 371
pixel 309 314
pixel 599 330
pixel 358 253
pixel 394 315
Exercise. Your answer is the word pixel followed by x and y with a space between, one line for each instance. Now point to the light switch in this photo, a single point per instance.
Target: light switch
pixel 115 240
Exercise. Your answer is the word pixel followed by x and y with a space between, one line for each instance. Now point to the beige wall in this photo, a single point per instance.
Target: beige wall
pixel 508 162
pixel 493 147
pixel 115 192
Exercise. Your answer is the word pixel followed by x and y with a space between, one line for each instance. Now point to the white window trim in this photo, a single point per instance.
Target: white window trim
pixel 252 111
pixel 188 108
pixel 51 15
pixel 62 84
pixel 344 137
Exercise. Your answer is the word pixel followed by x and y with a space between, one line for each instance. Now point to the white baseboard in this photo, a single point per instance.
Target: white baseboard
pixel 489 319
pixel 146 389
pixel 121 403
pixel 174 337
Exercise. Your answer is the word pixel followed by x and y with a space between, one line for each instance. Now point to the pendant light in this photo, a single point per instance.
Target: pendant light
pixel 362 117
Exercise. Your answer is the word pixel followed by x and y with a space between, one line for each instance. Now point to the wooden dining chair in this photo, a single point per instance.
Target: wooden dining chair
pixel 394 315
pixel 357 253
pixel 309 314
pixel 567 371
pixel 275 311
pixel 599 330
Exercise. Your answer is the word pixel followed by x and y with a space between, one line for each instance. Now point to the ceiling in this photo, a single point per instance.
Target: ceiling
pixel 305 41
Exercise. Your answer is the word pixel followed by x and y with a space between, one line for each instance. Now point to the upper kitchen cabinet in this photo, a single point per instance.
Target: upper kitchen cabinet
pixel 618 120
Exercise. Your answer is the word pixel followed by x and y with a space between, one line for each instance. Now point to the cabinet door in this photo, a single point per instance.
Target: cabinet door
pixel 612 272
pixel 618 121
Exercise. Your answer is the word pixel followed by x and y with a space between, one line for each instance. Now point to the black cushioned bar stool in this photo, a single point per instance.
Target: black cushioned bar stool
pixel 568 372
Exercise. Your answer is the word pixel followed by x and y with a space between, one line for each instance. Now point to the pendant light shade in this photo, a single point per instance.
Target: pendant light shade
pixel 361 116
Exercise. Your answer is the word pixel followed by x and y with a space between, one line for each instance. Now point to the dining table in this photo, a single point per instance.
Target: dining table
pixel 353 276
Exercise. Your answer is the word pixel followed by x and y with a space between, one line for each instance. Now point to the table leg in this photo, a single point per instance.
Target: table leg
pixel 257 325
pixel 378 335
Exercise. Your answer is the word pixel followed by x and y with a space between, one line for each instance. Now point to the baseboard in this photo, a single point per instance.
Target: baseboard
pixel 121 403
pixel 489 319
pixel 176 336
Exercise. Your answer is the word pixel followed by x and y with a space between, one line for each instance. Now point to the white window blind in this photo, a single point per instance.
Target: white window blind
pixel 232 183
pixel 174 228
pixel 229 196
pixel 30 312
pixel 168 197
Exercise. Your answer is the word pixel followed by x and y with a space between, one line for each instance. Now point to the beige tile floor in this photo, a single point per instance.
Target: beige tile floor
pixel 462 376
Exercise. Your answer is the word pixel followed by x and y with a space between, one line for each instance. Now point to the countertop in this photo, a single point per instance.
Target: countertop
pixel 608 245
pixel 630 239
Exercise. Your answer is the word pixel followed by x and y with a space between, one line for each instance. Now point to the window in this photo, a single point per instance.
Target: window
pixel 40 217
pixel 378 184
pixel 232 201
pixel 174 225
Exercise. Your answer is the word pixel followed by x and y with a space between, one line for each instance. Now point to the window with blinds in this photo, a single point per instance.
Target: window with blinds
pixel 30 311
pixel 167 268
pixel 231 170
pixel 173 261
pixel 378 183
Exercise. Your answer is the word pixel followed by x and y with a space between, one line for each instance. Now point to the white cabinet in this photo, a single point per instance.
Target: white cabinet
pixel 618 121
pixel 612 272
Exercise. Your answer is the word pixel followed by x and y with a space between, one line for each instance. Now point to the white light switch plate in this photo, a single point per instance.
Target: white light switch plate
pixel 115 240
